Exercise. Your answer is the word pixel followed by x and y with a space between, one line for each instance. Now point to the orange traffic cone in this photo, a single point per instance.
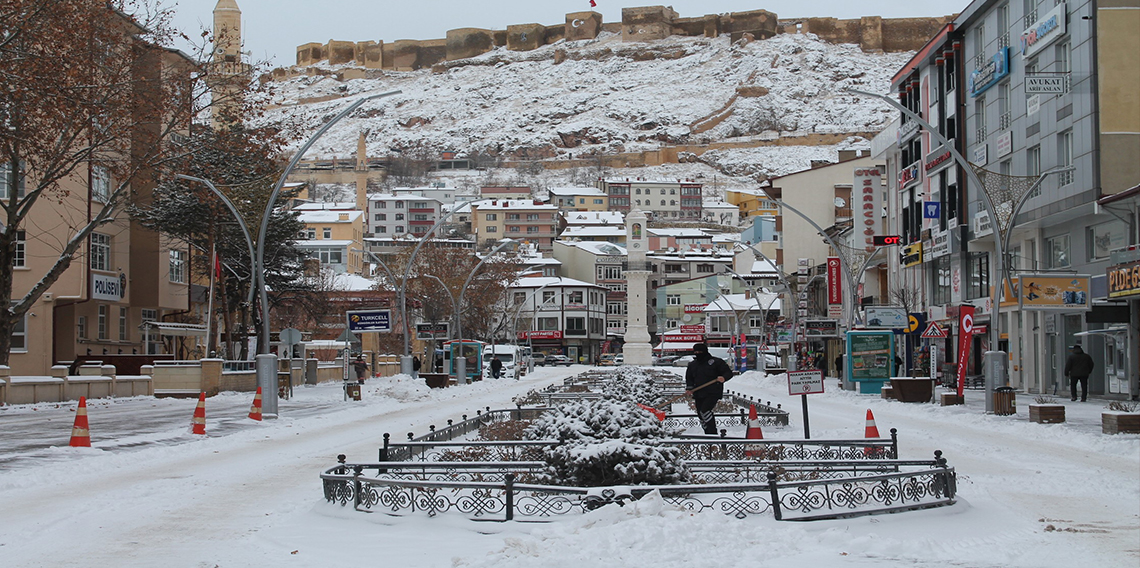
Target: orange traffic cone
pixel 753 433
pixel 255 410
pixel 871 432
pixel 199 423
pixel 80 435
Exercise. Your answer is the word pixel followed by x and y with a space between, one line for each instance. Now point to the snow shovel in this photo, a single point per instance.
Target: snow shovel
pixel 683 395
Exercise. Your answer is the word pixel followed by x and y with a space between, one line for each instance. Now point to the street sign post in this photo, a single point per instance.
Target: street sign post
pixel 804 383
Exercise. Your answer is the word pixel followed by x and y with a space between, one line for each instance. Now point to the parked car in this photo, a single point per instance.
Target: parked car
pixel 664 360
pixel 606 359
pixel 539 359
pixel 558 360
pixel 683 361
pixel 619 359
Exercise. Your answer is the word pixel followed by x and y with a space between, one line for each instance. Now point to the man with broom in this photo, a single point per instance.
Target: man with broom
pixel 704 381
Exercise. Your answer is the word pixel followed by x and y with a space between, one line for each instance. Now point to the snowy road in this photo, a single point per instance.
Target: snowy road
pixel 249 493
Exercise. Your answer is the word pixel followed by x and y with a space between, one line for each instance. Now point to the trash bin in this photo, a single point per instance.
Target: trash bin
pixel 1005 402
pixel 352 390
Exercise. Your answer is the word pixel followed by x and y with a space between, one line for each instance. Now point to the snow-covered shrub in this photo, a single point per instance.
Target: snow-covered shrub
pixel 615 462
pixel 606 442
pixel 633 385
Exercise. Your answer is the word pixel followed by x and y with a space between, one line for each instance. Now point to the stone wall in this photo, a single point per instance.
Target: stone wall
pixel 647 23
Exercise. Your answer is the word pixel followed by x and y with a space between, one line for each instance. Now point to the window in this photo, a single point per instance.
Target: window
pixel 1033 166
pixel 1065 156
pixel 616 308
pixel 638 202
pixel 100 251
pixel 1063 55
pixel 491 229
pixel 547 296
pixel 547 324
pixel 19 334
pixel 399 205
pixel 19 258
pixel 662 202
pixel 492 217
pixel 532 216
pixel 178 266
pixel 379 217
pixel 575 297
pixel 980 119
pixel 575 326
pixel 9 179
pixel 400 228
pixel 978 275
pixel 1030 9
pixel 399 216
pixel 755 322
pixel 980 45
pixel 1057 252
pixel 512 216
pixel 1105 237
pixel 534 229
pixel 940 284
pixel 383 205
pixel 672 299
pixel 81 327
pixel 326 233
pixel 328 255
pixel 1003 25
pixel 100 184
pixel 102 329
pixel 381 229
pixel 123 324
pixel 310 234
pixel 672 192
pixel 513 229
pixel 609 272
pixel 637 191
pixel 149 314
pixel 1003 106
pixel 419 205
pixel 597 202
pixel 520 297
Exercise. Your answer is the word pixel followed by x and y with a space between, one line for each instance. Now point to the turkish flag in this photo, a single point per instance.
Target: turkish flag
pixel 592 3
pixel 965 338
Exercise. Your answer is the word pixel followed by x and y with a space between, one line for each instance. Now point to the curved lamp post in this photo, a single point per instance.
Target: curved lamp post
pixel 266 361
pixel 245 231
pixel 1000 241
pixel 463 290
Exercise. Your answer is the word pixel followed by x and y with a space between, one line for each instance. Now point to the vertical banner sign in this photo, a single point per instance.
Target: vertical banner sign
pixel 868 208
pixel 834 281
pixel 965 338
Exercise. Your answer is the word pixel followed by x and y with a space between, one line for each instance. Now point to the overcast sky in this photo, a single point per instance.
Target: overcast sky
pixel 274 28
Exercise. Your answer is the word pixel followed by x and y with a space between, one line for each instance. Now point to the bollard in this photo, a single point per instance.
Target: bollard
pixel 774 489
pixel 509 481
pixel 340 458
pixel 384 450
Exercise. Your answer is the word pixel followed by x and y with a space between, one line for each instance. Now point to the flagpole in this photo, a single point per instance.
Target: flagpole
pixel 210 301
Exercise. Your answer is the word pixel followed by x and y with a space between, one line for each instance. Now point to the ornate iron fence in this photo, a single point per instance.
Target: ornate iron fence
pixel 492 490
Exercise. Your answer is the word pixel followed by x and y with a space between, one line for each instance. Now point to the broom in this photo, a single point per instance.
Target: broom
pixel 683 395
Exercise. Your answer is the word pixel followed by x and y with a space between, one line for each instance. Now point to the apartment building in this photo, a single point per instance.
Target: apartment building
pixel 522 220
pixel 660 199
pixel 400 215
pixel 334 238
pixel 559 316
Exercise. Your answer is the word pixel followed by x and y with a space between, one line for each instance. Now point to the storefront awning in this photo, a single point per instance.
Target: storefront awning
pixel 174 329
pixel 675 346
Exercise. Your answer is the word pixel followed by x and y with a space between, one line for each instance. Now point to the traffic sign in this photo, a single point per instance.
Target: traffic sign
pixel 934 331
pixel 805 382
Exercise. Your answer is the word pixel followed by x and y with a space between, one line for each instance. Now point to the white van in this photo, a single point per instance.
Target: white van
pixel 510 355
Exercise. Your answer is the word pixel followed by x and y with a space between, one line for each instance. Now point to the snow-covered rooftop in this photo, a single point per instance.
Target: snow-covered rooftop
pixel 598 248
pixel 584 231
pixel 564 191
pixel 325 206
pixel 328 217
pixel 594 218
pixel 490 204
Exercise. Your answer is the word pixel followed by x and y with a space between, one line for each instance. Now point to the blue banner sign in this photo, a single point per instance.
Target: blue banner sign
pixel 369 321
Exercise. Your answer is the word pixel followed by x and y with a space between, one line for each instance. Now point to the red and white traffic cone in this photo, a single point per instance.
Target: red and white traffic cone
pixel 753 433
pixel 255 410
pixel 871 431
pixel 198 425
pixel 80 434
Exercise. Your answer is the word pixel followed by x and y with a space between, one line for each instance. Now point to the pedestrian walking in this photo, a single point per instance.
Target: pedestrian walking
pixel 703 369
pixel 1078 367
pixel 839 366
pixel 496 368
pixel 361 368
pixel 416 367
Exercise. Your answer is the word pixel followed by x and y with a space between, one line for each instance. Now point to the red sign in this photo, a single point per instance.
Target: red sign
pixel 981 329
pixel 540 335
pixel 695 308
pixel 834 281
pixel 965 338
pixel 693 328
pixel 685 338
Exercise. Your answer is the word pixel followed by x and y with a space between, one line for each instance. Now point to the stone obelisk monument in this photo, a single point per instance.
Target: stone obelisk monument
pixel 637 349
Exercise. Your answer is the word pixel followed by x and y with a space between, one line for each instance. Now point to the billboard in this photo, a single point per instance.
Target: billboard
pixel 887 317
pixel 1054 292
pixel 439 330
pixel 369 321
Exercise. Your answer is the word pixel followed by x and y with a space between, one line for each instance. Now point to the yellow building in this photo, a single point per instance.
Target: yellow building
pixel 335 237
pixel 579 199
pixel 751 203
pixel 521 220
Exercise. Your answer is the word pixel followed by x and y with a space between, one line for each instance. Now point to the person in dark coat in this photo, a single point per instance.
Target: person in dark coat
pixel 703 369
pixel 1078 367
pixel 839 366
pixel 496 368
pixel 361 368
pixel 416 367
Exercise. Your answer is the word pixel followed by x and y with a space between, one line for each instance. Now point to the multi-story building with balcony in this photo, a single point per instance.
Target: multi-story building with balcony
pixel 578 198
pixel 559 316
pixel 401 215
pixel 521 220
pixel 602 264
pixel 660 199
pixel 334 238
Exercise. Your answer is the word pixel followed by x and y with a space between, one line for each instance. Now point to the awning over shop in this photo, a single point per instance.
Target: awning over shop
pixel 174 329
pixel 675 346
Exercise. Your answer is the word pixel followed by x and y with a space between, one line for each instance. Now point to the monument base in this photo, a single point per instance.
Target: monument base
pixel 638 354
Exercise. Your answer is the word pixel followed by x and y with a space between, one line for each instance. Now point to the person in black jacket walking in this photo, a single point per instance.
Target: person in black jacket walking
pixel 1078 367
pixel 705 368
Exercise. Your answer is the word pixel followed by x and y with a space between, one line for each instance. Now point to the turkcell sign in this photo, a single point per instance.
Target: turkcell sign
pixel 369 321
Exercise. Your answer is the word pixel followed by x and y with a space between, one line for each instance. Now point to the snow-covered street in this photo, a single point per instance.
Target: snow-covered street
pixel 248 494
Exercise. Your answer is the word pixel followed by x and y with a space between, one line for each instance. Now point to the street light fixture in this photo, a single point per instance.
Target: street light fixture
pixel 266 361
pixel 463 290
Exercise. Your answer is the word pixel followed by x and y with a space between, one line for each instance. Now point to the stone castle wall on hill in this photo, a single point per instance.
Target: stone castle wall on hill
pixel 648 23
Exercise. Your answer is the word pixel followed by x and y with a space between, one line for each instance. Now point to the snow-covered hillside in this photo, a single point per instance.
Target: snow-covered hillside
pixel 604 96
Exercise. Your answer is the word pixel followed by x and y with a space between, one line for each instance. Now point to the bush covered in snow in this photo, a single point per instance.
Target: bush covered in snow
pixel 606 442
pixel 634 385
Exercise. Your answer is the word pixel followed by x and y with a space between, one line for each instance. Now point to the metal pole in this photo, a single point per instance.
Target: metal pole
pixel 406 360
pixel 268 381
pixel 458 363
pixel 999 245
pixel 794 311
pixel 463 290
pixel 245 231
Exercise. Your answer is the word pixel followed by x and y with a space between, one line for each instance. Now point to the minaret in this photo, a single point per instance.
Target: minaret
pixel 637 349
pixel 229 76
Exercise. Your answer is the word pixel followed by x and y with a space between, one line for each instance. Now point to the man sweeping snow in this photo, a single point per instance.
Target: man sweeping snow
pixel 704 381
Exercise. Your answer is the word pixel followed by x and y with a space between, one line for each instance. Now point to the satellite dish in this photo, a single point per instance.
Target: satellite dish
pixel 840 203
pixel 687 318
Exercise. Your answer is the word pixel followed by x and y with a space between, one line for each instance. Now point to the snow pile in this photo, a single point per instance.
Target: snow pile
pixel 399 387
pixel 603 99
